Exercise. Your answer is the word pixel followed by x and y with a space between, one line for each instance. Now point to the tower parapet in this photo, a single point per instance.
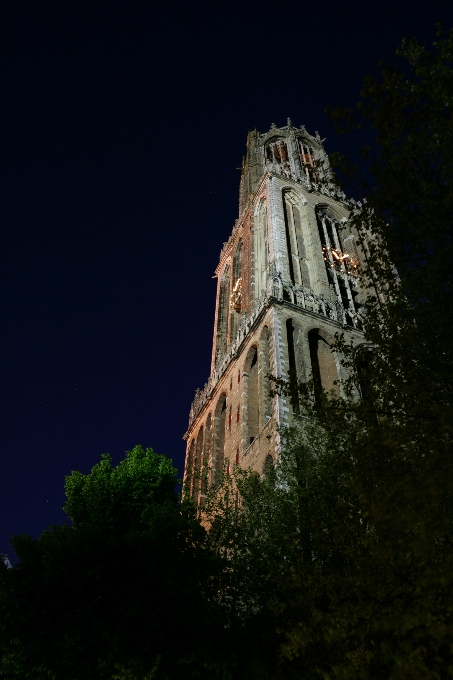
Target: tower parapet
pixel 288 279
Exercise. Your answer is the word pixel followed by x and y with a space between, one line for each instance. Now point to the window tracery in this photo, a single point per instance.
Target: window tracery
pixel 342 267
pixel 277 154
pixel 252 392
pixel 219 438
pixel 236 293
pixel 260 251
pixel 222 312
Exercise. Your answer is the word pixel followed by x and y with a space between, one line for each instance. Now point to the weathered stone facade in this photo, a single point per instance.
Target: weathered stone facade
pixel 288 280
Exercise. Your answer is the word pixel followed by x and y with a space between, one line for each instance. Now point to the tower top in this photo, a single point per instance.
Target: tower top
pixel 288 279
pixel 287 151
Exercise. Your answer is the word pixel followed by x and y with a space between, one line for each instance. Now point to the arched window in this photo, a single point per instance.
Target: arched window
pixel 188 476
pixel 236 296
pixel 324 368
pixel 237 262
pixel 222 312
pixel 219 439
pixel 291 243
pixel 251 369
pixel 362 360
pixel 260 251
pixel 293 377
pixel 290 342
pixel 277 155
pixel 196 486
pixel 297 251
pixel 307 159
pixel 341 266
pixel 207 452
pixel 266 410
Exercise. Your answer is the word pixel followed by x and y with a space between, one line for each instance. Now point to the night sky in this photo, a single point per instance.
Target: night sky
pixel 122 128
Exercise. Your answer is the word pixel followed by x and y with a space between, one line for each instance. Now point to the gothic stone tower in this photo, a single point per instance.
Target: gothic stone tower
pixel 287 281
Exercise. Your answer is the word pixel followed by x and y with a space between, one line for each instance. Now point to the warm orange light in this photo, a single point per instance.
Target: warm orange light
pixel 339 260
pixel 236 296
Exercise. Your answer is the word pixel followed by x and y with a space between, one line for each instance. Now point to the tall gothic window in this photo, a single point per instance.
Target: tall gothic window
pixel 323 366
pixel 277 151
pixel 307 154
pixel 237 261
pixel 294 395
pixel 222 313
pixel 197 465
pixel 219 439
pixel 297 256
pixel 189 467
pixel 260 250
pixel 236 296
pixel 362 360
pixel 206 456
pixel 277 156
pixel 340 266
pixel 297 253
pixel 307 159
pixel 265 370
pixel 268 465
pixel 251 368
pixel 291 245
pixel 290 342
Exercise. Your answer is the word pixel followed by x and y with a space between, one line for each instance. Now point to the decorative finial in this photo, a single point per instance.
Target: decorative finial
pixel 289 123
pixel 317 137
pixel 273 126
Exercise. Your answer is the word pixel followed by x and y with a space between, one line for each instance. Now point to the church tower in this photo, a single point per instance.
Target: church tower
pixel 287 282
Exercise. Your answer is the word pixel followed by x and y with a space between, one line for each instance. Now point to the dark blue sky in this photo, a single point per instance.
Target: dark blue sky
pixel 122 127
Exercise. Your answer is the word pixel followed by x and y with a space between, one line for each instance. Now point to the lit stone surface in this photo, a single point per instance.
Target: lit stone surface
pixel 288 280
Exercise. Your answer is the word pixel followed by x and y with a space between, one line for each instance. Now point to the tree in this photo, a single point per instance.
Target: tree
pixel 117 594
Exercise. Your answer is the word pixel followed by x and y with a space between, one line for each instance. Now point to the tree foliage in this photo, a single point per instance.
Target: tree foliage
pixel 118 593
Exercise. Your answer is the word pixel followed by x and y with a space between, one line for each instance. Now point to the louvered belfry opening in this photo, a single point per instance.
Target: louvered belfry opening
pixel 339 265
